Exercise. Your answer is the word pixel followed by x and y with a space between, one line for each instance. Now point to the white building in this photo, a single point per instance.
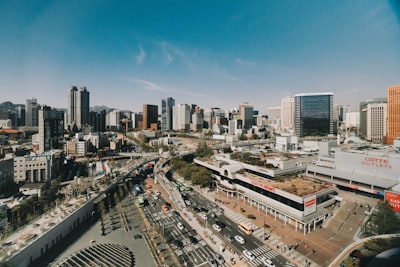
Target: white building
pixel 352 119
pixel 37 168
pixel 287 112
pixel 181 117
pixel 376 121
pixel 197 122
pixel 5 124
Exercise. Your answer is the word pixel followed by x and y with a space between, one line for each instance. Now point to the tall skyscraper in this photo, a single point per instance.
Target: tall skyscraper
pixel 166 113
pixel 78 107
pixel 181 114
pixel 20 115
pixel 287 112
pixel 373 119
pixel 31 112
pixel 98 120
pixel 150 116
pixel 393 114
pixel 313 114
pixel 246 114
pixel 51 129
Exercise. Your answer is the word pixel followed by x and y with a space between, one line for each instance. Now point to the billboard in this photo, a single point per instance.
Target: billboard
pixel 310 205
pixel 393 199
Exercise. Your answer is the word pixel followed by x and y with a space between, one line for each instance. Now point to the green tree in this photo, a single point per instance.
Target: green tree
pixel 387 221
pixel 203 150
pixel 383 221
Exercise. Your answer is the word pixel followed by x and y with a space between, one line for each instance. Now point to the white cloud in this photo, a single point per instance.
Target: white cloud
pixel 242 62
pixel 171 52
pixel 141 56
pixel 223 73
pixel 151 86
pixel 148 85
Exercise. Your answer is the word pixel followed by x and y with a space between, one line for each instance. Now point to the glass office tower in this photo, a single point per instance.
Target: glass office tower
pixel 313 114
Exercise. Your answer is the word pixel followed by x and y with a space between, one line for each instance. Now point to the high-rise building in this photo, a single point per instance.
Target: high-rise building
pixel 51 129
pixel 31 112
pixel 181 117
pixel 78 107
pixel 98 120
pixel 166 113
pixel 393 114
pixel 287 112
pixel 246 115
pixel 373 119
pixel 20 115
pixel 150 116
pixel 313 114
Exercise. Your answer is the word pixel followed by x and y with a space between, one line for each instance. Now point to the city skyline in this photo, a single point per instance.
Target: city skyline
pixel 207 53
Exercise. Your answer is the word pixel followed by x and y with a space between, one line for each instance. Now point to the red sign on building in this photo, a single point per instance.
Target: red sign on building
pixel 393 199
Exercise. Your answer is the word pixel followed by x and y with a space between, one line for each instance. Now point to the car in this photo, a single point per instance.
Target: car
pixel 193 240
pixel 203 209
pixel 217 227
pixel 220 224
pixel 157 192
pixel 155 196
pixel 196 209
pixel 187 202
pixel 250 256
pixel 152 204
pixel 212 261
pixel 177 244
pixel 229 237
pixel 164 208
pixel 240 239
pixel 219 258
pixel 203 216
pixel 267 262
pixel 212 215
pixel 180 226
pixel 175 213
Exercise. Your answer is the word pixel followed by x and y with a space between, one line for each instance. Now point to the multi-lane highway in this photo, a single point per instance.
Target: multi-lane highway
pixel 189 246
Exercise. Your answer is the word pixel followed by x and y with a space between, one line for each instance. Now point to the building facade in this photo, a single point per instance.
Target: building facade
pixel 150 116
pixel 181 117
pixel 32 112
pixel 37 168
pixel 78 107
pixel 393 126
pixel 364 168
pixel 373 119
pixel 246 114
pixel 166 113
pixel 51 129
pixel 313 114
pixel 287 112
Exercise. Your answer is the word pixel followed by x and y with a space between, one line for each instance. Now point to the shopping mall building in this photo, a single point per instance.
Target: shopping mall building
pixel 370 169
pixel 280 190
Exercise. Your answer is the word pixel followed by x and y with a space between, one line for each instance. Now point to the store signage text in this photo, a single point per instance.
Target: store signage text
pixel 377 162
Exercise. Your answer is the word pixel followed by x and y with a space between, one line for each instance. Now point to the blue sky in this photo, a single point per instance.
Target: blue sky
pixel 210 53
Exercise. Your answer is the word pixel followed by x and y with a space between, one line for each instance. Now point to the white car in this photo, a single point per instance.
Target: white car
pixel 180 226
pixel 156 192
pixel 240 239
pixel 248 255
pixel 155 196
pixel 217 227
pixel 203 216
pixel 267 262
pixel 188 202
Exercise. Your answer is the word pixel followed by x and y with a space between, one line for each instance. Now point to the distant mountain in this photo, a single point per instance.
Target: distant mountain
pixel 7 106
pixel 100 108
